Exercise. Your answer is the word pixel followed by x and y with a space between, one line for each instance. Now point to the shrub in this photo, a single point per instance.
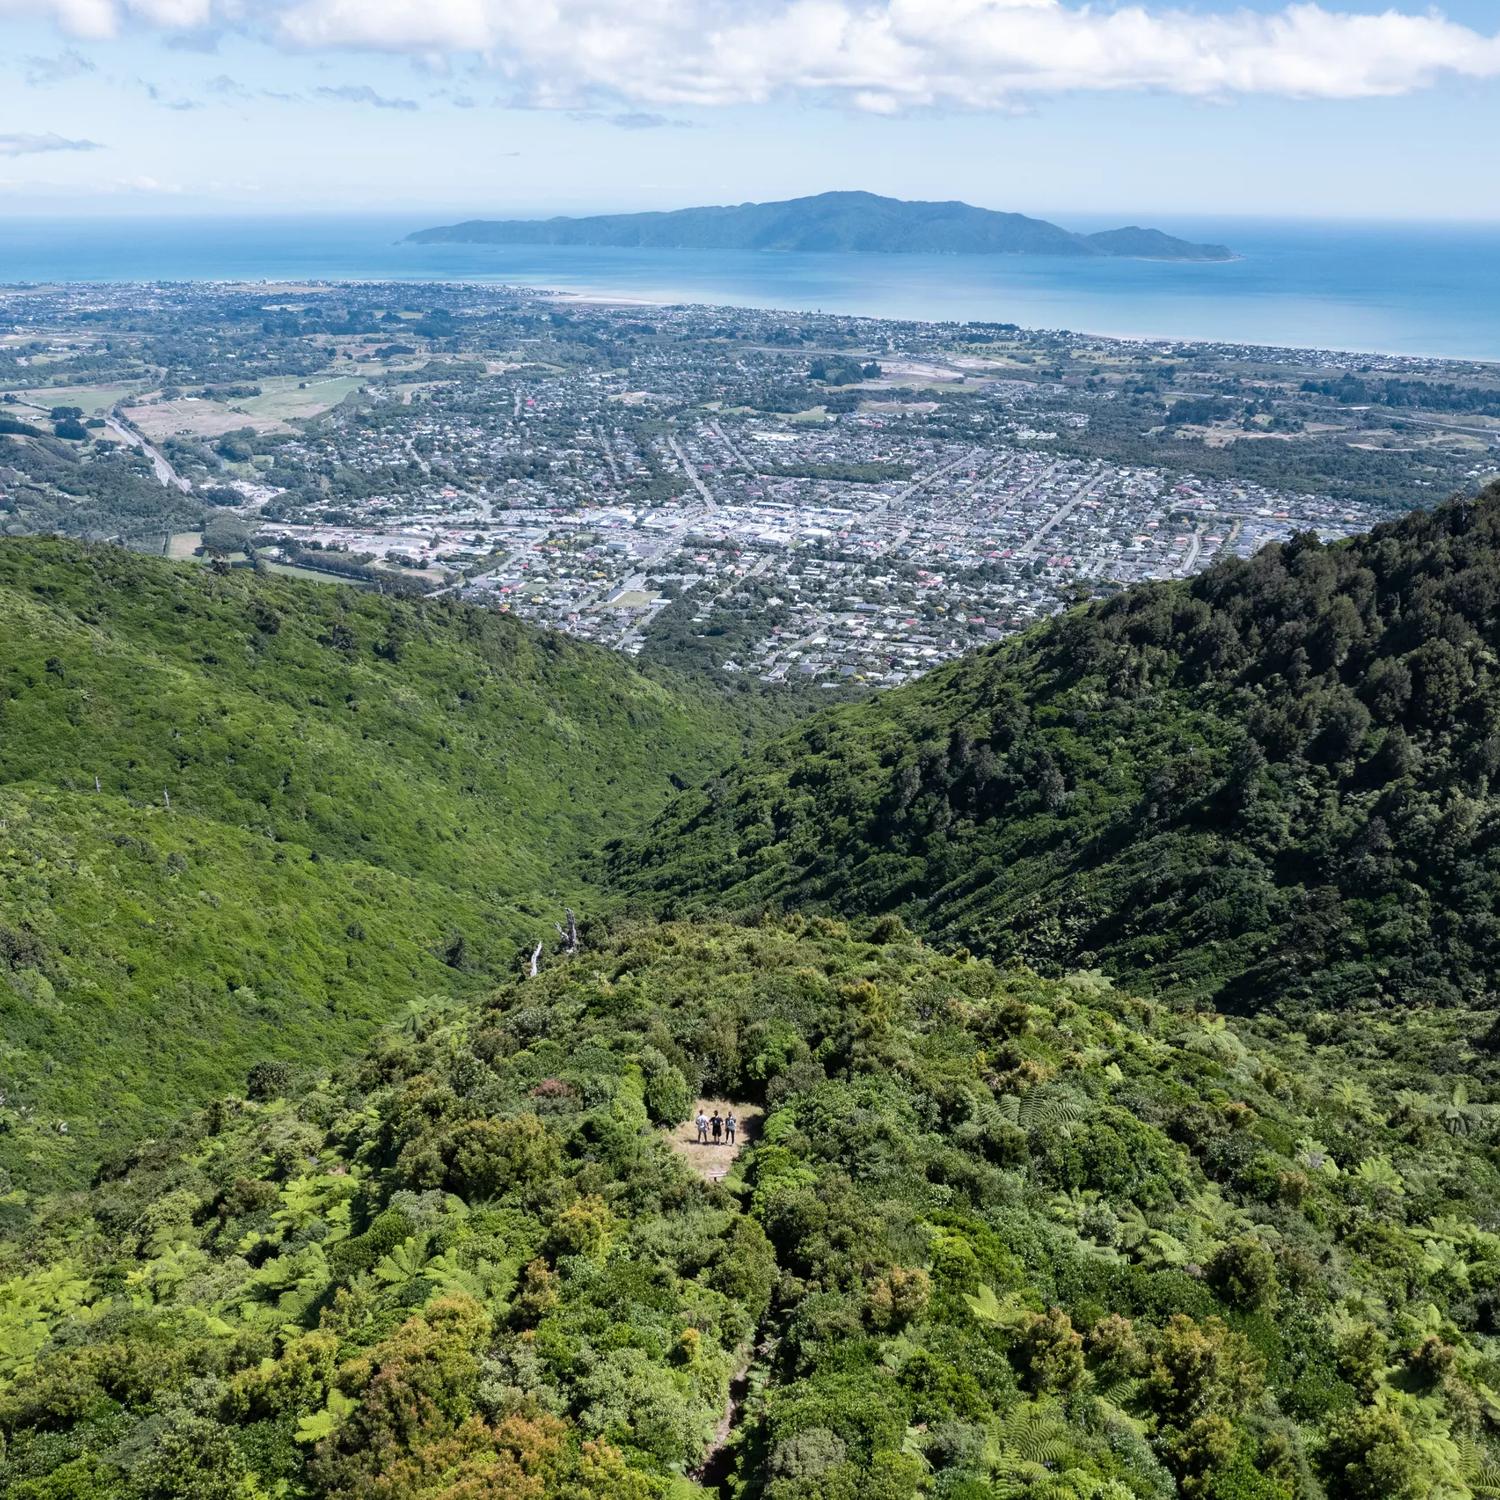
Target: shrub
pixel 899 1296
pixel 1199 1368
pixel 1369 1454
pixel 668 1101
pixel 268 1080
pixel 1051 1352
pixel 489 1157
pixel 1243 1273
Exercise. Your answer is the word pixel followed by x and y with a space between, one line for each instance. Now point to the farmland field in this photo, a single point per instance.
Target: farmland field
pixel 92 398
pixel 209 419
pixel 285 399
pixel 290 570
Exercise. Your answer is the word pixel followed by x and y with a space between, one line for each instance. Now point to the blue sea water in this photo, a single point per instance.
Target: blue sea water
pixel 1388 288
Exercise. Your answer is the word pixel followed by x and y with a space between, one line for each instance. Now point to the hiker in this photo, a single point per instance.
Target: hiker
pixel 702 1124
pixel 729 1123
pixel 718 1124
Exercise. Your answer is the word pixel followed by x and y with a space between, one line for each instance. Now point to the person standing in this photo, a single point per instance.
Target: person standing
pixel 718 1126
pixel 729 1126
pixel 702 1123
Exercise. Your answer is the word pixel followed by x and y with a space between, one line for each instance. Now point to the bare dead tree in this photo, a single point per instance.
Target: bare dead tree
pixel 536 960
pixel 568 934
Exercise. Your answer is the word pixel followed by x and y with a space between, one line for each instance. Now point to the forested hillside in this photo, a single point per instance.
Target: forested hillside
pixel 999 1237
pixel 1273 784
pixel 243 816
pixel 372 1215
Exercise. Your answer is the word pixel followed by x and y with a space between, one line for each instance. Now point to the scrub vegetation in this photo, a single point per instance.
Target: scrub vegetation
pixel 1112 1009
pixel 998 1236
pixel 241 814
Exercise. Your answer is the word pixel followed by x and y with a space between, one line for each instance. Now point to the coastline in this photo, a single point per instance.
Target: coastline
pixel 1345 289
pixel 606 297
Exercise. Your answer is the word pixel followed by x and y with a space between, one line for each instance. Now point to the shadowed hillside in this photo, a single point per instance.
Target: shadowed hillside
pixel 1272 784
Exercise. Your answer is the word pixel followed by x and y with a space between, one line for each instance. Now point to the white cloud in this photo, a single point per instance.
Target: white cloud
pixel 81 18
pixel 879 55
pixel 24 144
pixel 70 63
pixel 180 14
pixel 362 93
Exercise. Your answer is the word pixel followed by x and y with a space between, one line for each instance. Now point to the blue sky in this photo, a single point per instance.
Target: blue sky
pixel 1197 107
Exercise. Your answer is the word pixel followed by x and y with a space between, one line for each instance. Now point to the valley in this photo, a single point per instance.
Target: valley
pixel 251 816
pixel 373 1208
pixel 837 845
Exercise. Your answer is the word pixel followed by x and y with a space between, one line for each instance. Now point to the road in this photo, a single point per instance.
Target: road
pixel 634 635
pixel 165 473
pixel 512 555
pixel 1061 514
pixel 1490 434
pixel 732 448
pixel 917 485
pixel 687 468
pixel 920 484
pixel 610 461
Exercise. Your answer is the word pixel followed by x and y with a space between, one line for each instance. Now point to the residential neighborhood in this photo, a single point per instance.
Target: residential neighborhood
pixel 814 499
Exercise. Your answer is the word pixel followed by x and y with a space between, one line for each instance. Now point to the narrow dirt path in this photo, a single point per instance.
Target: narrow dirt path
pixel 712 1163
pixel 714 1472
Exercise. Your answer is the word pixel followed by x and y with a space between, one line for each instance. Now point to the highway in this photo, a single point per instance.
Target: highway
pixel 165 473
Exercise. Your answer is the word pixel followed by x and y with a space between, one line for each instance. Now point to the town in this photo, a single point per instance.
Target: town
pixel 802 499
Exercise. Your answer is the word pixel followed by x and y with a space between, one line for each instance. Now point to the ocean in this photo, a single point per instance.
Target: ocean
pixel 1421 289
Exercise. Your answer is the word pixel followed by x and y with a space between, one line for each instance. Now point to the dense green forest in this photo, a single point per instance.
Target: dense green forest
pixel 85 489
pixel 243 815
pixel 1273 784
pixel 999 1237
pixel 313 1192
pixel 1426 395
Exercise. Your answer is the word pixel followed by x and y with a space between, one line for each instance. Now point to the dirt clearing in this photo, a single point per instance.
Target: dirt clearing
pixel 712 1162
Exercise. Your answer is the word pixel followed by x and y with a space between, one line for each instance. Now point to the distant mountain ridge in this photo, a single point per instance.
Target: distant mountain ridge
pixel 829 221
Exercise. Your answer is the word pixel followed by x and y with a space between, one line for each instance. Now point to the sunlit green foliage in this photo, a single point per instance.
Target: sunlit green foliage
pixel 1000 1236
pixel 246 817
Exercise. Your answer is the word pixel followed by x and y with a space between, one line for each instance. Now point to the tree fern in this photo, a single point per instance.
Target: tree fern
pixel 1006 1313
pixel 1040 1108
pixel 1032 1452
pixel 1479 1468
pixel 405 1262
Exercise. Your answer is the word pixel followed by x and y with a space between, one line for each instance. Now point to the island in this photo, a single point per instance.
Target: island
pixel 829 221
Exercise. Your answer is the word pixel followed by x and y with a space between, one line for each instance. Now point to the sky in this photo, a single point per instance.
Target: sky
pixel 1370 109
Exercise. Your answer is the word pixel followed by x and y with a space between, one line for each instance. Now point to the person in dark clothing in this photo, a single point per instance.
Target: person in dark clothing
pixel 729 1127
pixel 716 1124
